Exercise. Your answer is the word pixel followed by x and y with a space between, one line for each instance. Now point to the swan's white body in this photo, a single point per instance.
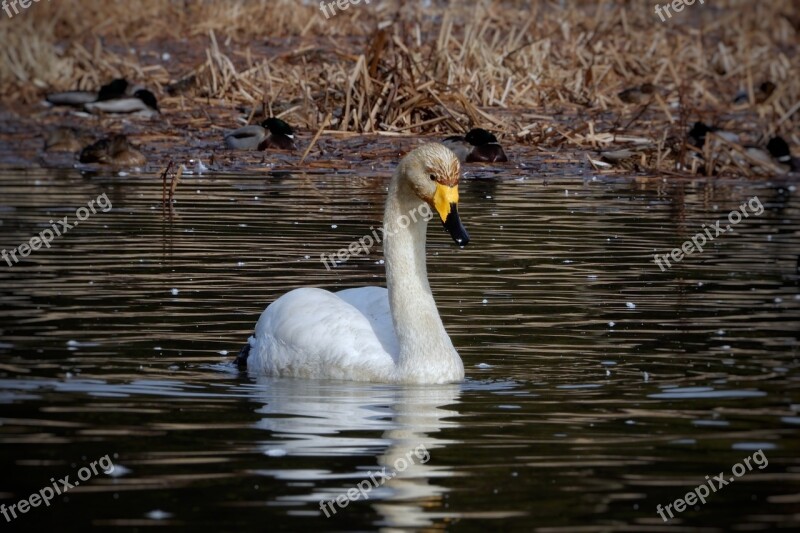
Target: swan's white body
pixel 392 335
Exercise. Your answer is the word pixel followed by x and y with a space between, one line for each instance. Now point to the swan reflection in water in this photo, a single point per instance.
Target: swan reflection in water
pixel 327 418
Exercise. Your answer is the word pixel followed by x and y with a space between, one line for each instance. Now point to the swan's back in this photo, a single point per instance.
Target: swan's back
pixel 313 333
pixel 373 302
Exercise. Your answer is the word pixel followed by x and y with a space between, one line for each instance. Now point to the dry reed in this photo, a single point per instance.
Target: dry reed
pixel 543 73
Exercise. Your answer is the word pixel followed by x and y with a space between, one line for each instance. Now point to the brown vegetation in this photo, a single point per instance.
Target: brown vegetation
pixel 542 73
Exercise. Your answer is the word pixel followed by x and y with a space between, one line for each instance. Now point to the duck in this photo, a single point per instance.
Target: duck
pixel 272 133
pixel 761 93
pixel 143 102
pixel 478 145
pixel 116 88
pixel 697 135
pixel 116 151
pixel 727 147
pixel 638 95
pixel 374 334
pixel 64 139
pixel 779 149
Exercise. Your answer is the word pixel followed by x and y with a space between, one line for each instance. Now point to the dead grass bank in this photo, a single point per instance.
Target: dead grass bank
pixel 548 73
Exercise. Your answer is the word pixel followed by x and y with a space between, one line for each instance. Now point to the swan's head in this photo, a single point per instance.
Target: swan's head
pixel 432 171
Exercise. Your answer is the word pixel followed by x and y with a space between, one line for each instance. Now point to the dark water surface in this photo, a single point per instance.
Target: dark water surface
pixel 598 387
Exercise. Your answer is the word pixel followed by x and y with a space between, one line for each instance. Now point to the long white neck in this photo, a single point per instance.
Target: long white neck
pixel 426 353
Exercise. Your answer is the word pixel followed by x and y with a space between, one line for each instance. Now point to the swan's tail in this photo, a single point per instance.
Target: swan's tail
pixel 241 358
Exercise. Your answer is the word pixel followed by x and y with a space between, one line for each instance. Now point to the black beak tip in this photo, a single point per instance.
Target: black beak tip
pixel 455 228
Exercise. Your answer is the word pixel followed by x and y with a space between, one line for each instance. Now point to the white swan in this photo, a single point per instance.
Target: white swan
pixel 371 333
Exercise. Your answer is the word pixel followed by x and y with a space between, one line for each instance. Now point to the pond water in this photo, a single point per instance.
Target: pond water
pixel 599 387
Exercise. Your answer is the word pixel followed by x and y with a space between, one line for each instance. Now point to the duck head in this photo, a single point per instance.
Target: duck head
pixel 281 135
pixel 118 144
pixel 148 98
pixel 697 135
pixel 278 127
pixel 432 171
pixel 485 147
pixel 779 149
pixel 480 137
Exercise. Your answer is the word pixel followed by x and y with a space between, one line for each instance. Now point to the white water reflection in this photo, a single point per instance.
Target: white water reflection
pixel 309 417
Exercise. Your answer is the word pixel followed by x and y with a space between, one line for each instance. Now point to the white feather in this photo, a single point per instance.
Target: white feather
pixel 312 333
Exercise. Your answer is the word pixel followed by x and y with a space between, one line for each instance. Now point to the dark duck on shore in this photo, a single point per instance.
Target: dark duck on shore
pixel 114 89
pixel 142 102
pixel 638 95
pixel 65 139
pixel 478 145
pixel 272 133
pixel 727 147
pixel 116 151
pixel 779 149
pixel 697 135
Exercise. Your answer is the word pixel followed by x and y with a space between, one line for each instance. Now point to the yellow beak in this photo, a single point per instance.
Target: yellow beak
pixel 444 199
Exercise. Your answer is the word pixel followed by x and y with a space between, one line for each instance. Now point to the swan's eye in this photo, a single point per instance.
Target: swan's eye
pixel 432 177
